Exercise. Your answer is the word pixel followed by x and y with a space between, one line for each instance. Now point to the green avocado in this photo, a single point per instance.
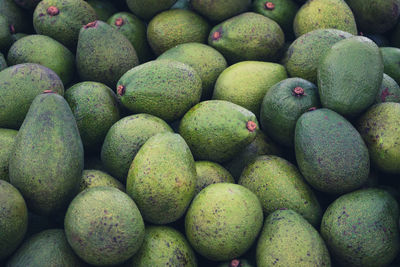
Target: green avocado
pixel 149 8
pixel 389 91
pixel 391 62
pixel 93 178
pixel 220 10
pixel 5 34
pixel 210 173
pixel 7 140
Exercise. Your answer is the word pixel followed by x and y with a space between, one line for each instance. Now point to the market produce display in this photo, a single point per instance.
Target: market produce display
pixel 199 133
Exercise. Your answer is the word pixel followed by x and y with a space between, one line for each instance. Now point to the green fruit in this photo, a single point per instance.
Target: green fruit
pixel 5 34
pixel 45 51
pixel 263 38
pixel 47 248
pixel 330 152
pixel 103 54
pixel 19 85
pixel 134 30
pixel 15 15
pixel 350 76
pixel 3 62
pixel 125 138
pixel 205 60
pixel 104 226
pixel 283 104
pixel 7 140
pixel 164 88
pixel 93 178
pixel 210 173
pixel 47 161
pixel 162 196
pixel 104 9
pixel 220 10
pixel 302 57
pixel 391 62
pixel 324 14
pixel 361 228
pixel 174 27
pixel 223 221
pixel 95 108
pixel 217 130
pixel 379 127
pixel 62 19
pixel 13 219
pixel 149 8
pixel 287 239
pixel 164 246
pixel 389 91
pixel 246 83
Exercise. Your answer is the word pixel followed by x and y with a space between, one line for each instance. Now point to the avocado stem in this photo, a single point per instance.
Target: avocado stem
pixel 298 91
pixel 53 11
pixel 48 92
pixel 12 29
pixel 251 126
pixel 216 35
pixel 92 24
pixel 119 22
pixel 121 90
pixel 234 263
pixel 312 109
pixel 269 5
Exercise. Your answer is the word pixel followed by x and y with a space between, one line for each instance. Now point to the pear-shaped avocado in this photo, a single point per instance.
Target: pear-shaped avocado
pixel 103 54
pixel 389 91
pixel 93 178
pixel 162 196
pixel 211 173
pixel 47 161
pixel 149 8
pixel 7 140
pixel 220 10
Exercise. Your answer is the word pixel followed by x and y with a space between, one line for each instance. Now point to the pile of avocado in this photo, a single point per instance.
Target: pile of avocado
pixel 184 133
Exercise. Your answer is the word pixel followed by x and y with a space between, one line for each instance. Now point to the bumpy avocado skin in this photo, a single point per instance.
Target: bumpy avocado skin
pixel 162 196
pixel 217 130
pixel 205 60
pixel 380 128
pixel 330 152
pixel 279 184
pixel 391 61
pixel 389 91
pixel 47 161
pixel 47 248
pixel 163 88
pixel 223 221
pixel 13 219
pixel 211 173
pixel 287 239
pixel 93 178
pixel 45 51
pixel 220 10
pixel 302 57
pixel 104 226
pixel 7 140
pixel 350 76
pixel 103 54
pixel 149 8
pixel 361 228
pixel 248 36
pixel 164 246
pixel 324 14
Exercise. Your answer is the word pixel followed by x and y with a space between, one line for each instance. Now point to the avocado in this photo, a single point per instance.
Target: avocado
pixel 361 228
pixel 93 178
pixel 246 83
pixel 391 62
pixel 47 161
pixel 174 27
pixel 209 172
pixel 287 239
pixel 47 248
pixel 164 246
pixel 104 9
pixel 3 62
pixel 163 88
pixel 350 76
pixel 103 54
pixel 15 15
pixel 248 36
pixel 62 19
pixel 149 8
pixel 95 109
pixel 324 14
pixel 7 140
pixel 162 196
pixel 389 91
pixel 205 60
pixel 13 219
pixel 330 153
pixel 19 85
pixel 220 10
pixel 223 221
pixel 217 130
pixel 104 226
pixel 379 127
pixel 5 34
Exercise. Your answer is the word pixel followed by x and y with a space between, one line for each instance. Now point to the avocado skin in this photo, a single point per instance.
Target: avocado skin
pixel 47 162
pixel 209 172
pixel 389 91
pixel 330 152
pixel 149 8
pixel 3 62
pixel 361 228
pixel 391 61
pixel 220 10
pixel 7 140
pixel 93 178
pixel 5 34
pixel 104 9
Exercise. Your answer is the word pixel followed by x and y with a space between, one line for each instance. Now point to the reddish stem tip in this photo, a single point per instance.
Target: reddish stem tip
pixel 298 91
pixel 92 24
pixel 269 5
pixel 48 92
pixel 216 35
pixel 312 109
pixel 234 263
pixel 53 11
pixel 251 126
pixel 12 29
pixel 121 90
pixel 119 22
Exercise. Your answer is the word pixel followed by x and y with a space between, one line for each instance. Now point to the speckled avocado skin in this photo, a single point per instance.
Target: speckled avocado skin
pixel 7 140
pixel 93 178
pixel 103 54
pixel 330 152
pixel 149 8
pixel 287 239
pixel 162 196
pixel 279 184
pixel 361 228
pixel 223 221
pixel 47 248
pixel 389 91
pixel 13 219
pixel 391 61
pixel 164 246
pixel 47 161
pixel 103 226
pixel 211 173
pixel 379 126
